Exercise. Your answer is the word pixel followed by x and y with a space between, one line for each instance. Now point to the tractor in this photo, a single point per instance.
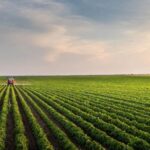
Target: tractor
pixel 11 81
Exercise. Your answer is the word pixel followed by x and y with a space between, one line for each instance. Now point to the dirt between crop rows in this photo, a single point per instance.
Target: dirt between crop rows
pixel 10 142
pixel 50 137
pixel 59 125
pixel 28 131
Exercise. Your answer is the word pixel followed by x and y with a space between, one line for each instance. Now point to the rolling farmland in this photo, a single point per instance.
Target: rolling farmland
pixel 75 112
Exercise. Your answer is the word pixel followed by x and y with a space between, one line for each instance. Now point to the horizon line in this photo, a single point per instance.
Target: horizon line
pixel 36 75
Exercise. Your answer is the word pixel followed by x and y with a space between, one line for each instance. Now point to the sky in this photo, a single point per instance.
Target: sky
pixel 69 37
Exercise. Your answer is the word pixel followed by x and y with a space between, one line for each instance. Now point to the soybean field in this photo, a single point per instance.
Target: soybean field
pixel 75 113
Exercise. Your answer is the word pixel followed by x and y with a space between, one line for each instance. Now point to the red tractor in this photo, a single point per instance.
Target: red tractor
pixel 11 81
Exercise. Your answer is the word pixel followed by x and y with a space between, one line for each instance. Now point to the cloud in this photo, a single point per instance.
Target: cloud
pixel 58 36
pixel 53 37
pixel 59 42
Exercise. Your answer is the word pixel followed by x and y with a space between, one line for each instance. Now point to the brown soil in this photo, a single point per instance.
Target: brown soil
pixel 28 130
pixel 10 140
pixel 50 137
pixel 59 125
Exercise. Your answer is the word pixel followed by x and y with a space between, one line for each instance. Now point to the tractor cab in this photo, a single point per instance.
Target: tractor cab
pixel 10 81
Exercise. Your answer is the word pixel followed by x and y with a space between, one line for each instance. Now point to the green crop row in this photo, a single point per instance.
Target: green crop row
pixel 132 99
pixel 103 116
pixel 130 113
pixel 60 136
pixel 38 132
pixel 75 132
pixel 99 111
pixel 3 119
pixel 128 118
pixel 2 92
pixel 95 133
pixel 124 106
pixel 99 97
pixel 110 129
pixel 21 141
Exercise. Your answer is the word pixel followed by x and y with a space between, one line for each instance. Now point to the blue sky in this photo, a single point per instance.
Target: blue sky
pixel 74 37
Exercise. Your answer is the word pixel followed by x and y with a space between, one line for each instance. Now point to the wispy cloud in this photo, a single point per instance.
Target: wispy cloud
pixel 57 36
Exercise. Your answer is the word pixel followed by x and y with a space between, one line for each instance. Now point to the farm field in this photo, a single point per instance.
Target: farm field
pixel 75 113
